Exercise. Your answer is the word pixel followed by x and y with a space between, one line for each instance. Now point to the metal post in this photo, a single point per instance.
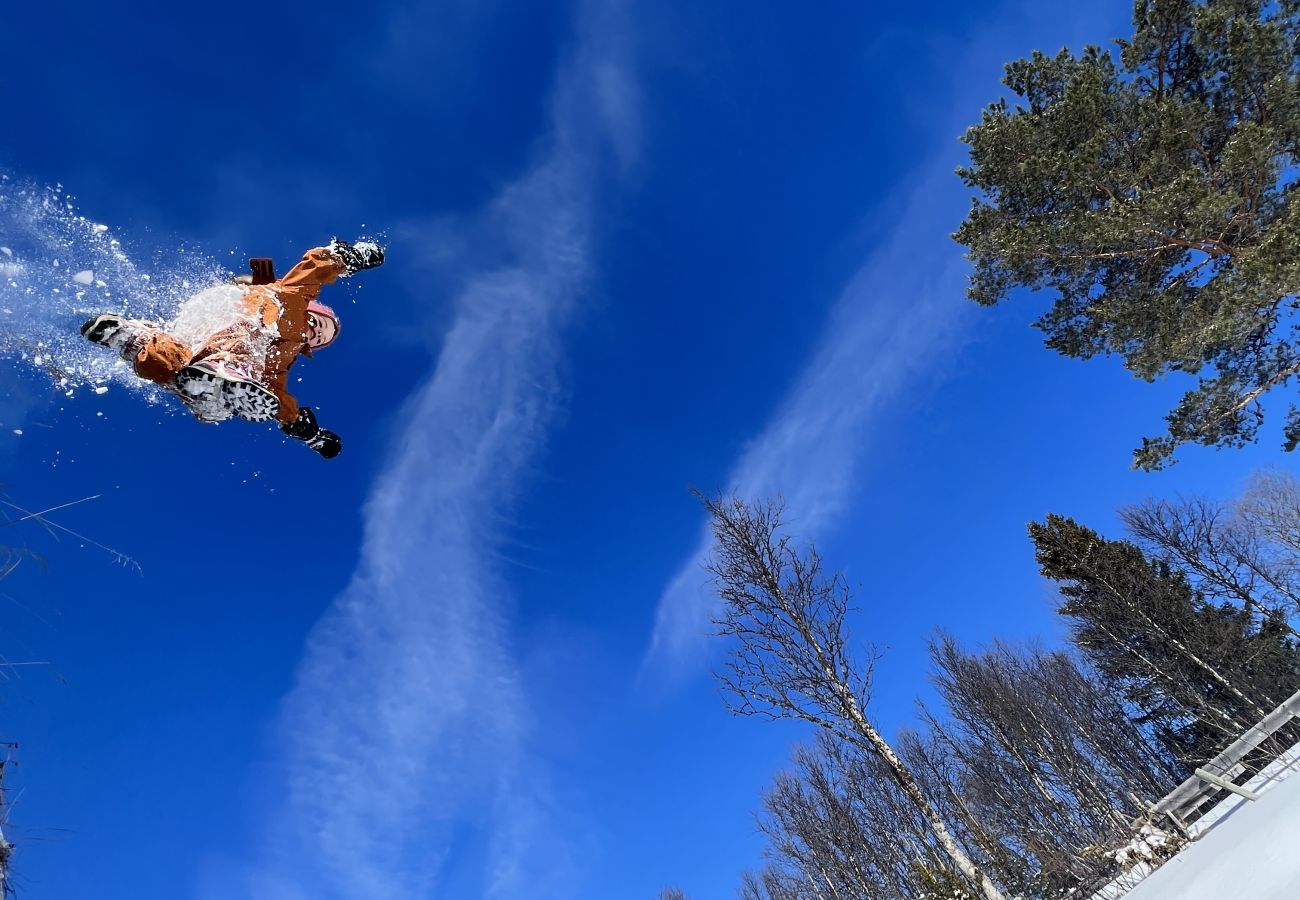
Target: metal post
pixel 1226 784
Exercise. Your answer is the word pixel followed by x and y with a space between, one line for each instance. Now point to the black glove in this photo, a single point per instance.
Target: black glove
pixel 305 429
pixel 326 443
pixel 358 256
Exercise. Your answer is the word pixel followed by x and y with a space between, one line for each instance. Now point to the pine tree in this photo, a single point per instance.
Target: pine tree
pixel 1197 672
pixel 1153 193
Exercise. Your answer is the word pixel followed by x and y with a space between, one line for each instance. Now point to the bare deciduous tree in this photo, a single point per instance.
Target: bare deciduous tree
pixel 790 654
pixel 1271 506
pixel 1044 759
pixel 11 514
pixel 775 884
pixel 837 823
pixel 1245 551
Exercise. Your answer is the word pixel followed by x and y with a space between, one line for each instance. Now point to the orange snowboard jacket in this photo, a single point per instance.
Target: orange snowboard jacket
pixel 277 309
pixel 283 304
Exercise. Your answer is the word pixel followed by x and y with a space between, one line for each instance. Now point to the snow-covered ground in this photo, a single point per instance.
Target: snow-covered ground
pixel 1252 851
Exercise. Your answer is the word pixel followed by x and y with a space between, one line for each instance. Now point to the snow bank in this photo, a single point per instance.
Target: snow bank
pixel 1248 850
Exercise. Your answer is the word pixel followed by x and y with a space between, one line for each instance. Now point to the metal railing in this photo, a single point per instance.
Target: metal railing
pixel 1195 796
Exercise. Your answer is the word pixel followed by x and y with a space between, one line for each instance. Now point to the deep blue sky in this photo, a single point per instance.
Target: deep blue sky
pixel 632 249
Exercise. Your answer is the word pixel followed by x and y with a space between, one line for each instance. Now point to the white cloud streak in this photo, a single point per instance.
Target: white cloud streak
pixel 895 327
pixel 889 333
pixel 406 728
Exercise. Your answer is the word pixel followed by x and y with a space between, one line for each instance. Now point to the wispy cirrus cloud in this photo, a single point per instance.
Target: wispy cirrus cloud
pixel 890 332
pixel 896 325
pixel 894 330
pixel 407 728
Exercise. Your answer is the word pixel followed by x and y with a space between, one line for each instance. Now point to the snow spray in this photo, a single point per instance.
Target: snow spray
pixel 58 268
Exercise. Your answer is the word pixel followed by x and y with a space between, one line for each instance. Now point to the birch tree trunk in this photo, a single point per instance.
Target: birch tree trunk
pixel 908 783
pixel 790 656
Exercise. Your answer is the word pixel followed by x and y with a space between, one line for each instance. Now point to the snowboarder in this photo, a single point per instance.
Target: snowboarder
pixel 242 369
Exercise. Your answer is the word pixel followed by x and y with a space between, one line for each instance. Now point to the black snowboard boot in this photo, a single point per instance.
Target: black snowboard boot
pixel 358 256
pixel 114 331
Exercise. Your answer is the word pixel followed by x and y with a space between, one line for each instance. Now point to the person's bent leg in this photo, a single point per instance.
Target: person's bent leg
pixel 325 265
pixel 317 267
pixel 157 356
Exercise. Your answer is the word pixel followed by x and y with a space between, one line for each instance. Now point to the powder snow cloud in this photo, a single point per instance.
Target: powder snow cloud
pixel 58 267
pixel 405 730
